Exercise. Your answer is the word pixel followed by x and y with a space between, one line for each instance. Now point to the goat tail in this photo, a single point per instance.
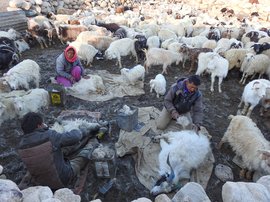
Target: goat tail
pixel 230 116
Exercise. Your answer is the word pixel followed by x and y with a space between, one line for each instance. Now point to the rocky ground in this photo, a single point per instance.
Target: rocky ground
pixel 127 187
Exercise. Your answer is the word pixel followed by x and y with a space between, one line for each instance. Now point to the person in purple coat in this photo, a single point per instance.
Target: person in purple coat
pixel 68 67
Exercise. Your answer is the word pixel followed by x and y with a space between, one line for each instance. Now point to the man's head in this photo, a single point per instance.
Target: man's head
pixel 31 121
pixel 192 83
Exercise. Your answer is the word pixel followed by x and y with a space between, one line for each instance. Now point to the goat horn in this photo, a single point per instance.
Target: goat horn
pixel 172 174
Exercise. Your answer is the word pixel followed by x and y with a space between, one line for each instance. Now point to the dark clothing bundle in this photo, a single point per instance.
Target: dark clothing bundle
pixel 42 155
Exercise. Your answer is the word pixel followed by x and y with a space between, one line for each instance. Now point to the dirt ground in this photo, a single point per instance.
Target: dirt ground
pixel 127 187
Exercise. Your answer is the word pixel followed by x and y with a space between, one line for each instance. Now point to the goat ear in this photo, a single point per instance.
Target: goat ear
pixel 265 154
pixel 255 85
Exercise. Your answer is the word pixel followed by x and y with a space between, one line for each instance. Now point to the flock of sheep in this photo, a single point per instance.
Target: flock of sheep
pixel 212 45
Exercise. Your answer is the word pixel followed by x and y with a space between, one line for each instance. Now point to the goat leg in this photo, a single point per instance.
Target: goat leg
pixel 242 173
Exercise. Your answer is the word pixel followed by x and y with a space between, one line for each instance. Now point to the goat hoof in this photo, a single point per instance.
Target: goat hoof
pixel 242 174
pixel 249 175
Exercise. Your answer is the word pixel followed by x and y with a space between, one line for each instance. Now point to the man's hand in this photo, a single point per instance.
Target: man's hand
pixel 195 127
pixel 183 121
pixel 86 77
pixel 89 131
pixel 72 79
pixel 175 115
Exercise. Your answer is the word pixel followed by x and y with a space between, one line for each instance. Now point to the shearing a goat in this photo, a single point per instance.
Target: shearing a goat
pixel 184 151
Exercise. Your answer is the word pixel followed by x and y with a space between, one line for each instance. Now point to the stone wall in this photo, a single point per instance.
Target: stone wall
pixel 45 6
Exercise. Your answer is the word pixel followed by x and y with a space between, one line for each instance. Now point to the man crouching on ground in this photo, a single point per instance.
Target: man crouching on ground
pixel 41 151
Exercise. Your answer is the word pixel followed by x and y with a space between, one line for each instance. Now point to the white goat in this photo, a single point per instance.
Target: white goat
pixel 249 143
pixel 253 64
pixel 21 75
pixel 121 47
pixel 7 110
pixel 153 42
pixel 85 51
pixel 265 102
pixel 253 92
pixel 38 98
pixel 186 150
pixel 212 44
pixel 99 42
pixel 68 125
pixel 159 56
pixel 224 44
pixel 134 74
pixel 22 45
pixel 235 57
pixel 196 41
pixel 165 44
pixel 88 86
pixel 165 34
pixel 158 84
pixel 216 65
pixel 175 47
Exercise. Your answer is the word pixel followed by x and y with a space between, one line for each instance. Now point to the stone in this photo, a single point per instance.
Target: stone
pixel 37 193
pixel 224 173
pixel 46 4
pixel 37 8
pixel 65 11
pixel 16 3
pixel 192 192
pixel 13 9
pixel 51 200
pixel 244 191
pixel 103 4
pixel 143 199
pixel 66 195
pixel 55 3
pixel 265 180
pixel 162 198
pixel 26 5
pixel 9 191
pixel 61 4
pixel 38 2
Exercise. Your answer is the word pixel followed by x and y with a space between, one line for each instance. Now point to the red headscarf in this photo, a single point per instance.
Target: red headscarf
pixel 74 58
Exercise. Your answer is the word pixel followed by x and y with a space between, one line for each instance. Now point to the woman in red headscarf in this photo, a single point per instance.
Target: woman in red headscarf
pixel 68 67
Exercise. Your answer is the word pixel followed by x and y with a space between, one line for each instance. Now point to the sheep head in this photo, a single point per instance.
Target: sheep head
pixel 19 106
pixel 249 57
pixel 4 86
pixel 265 163
pixel 259 88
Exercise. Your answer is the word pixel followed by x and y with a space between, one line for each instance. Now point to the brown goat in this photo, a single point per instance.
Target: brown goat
pixel 70 32
pixel 192 54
